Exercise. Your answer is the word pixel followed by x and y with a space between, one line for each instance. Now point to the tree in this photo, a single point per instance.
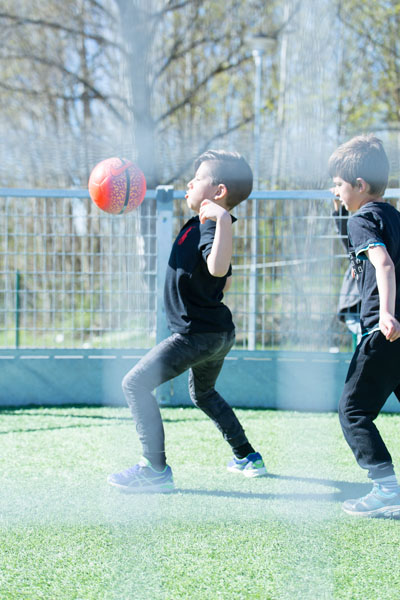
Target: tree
pixel 59 93
pixel 176 85
pixel 369 94
pixel 181 66
pixel 160 81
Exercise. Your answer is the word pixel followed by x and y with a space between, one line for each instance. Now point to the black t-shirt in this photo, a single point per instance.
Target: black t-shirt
pixel 192 296
pixel 375 223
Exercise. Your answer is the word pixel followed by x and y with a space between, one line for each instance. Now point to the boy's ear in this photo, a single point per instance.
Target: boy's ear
pixel 221 192
pixel 362 185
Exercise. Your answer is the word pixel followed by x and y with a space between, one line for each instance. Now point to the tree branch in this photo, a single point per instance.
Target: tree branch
pixel 171 7
pixel 21 21
pixel 95 92
pixel 68 97
pixel 207 145
pixel 217 71
pixel 363 32
pixel 174 55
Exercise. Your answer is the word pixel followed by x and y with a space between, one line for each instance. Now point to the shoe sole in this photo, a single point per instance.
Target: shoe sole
pixel 126 489
pixel 386 512
pixel 249 472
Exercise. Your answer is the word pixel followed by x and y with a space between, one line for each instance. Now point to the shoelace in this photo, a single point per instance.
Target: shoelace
pixel 376 491
pixel 131 470
pixel 375 488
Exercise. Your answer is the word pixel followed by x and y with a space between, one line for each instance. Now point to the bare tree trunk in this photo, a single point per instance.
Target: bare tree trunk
pixel 136 22
pixel 280 137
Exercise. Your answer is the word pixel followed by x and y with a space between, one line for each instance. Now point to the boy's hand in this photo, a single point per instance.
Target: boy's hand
pixel 336 200
pixel 211 210
pixel 389 326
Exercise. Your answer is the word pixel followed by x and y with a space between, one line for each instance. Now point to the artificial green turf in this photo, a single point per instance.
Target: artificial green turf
pixel 66 535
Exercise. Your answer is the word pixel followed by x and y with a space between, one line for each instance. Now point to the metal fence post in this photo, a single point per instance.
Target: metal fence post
pixel 164 208
pixel 252 336
pixel 17 307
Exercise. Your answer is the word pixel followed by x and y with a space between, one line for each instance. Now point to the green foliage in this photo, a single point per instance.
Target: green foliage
pixel 161 81
pixel 369 68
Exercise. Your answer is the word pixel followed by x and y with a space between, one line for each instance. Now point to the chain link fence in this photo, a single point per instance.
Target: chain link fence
pixel 73 277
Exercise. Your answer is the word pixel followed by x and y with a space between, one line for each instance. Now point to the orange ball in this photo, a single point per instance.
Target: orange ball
pixel 117 185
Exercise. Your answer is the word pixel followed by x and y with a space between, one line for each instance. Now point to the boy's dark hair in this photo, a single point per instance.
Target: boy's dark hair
pixel 231 169
pixel 362 156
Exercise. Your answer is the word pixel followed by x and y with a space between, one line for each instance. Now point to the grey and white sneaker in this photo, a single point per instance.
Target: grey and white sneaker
pixel 143 478
pixel 375 504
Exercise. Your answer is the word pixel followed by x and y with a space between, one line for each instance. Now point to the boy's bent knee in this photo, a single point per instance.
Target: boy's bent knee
pixel 342 409
pixel 202 399
pixel 348 416
pixel 351 417
pixel 210 401
pixel 131 381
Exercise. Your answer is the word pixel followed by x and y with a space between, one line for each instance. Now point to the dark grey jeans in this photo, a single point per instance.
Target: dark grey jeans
pixel 203 354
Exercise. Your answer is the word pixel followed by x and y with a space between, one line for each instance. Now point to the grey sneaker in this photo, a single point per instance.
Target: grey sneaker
pixel 142 478
pixel 251 466
pixel 375 504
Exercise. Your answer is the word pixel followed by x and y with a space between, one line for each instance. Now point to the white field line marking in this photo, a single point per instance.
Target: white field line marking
pixel 34 357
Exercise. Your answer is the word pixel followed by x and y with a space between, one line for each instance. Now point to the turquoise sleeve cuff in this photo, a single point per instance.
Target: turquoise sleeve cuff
pixel 364 249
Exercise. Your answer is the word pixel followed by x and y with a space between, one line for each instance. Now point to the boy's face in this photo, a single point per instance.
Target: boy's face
pixel 200 188
pixel 350 196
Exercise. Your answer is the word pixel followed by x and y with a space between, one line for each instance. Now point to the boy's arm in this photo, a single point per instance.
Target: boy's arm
pixel 219 259
pixel 386 281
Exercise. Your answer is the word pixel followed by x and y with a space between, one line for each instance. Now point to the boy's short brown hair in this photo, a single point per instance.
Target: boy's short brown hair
pixel 362 156
pixel 231 169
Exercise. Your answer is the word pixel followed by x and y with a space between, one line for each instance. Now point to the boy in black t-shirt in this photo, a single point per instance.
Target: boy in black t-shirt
pixel 198 274
pixel 360 171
